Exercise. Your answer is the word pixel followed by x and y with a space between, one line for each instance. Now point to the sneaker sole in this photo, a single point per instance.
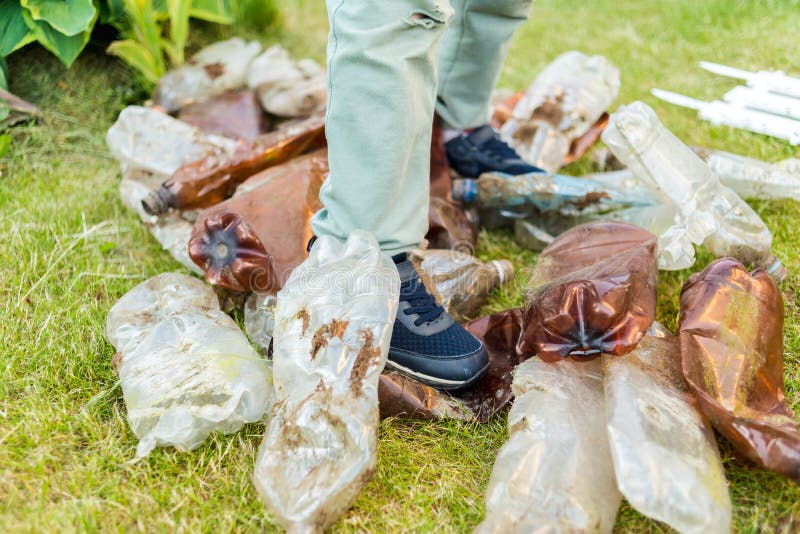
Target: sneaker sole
pixel 438 383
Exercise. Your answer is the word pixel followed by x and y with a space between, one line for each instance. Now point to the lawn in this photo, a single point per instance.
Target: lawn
pixel 69 250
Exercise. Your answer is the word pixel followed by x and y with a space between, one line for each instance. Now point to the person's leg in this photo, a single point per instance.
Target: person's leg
pixel 381 91
pixel 471 57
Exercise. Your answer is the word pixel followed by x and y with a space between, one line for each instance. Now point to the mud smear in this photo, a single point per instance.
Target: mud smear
pixel 335 328
pixel 303 316
pixel 214 70
pixel 368 356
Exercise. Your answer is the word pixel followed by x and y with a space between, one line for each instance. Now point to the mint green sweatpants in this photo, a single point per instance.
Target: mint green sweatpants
pixel 391 63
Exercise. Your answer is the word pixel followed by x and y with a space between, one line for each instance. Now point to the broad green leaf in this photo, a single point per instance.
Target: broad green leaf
pixel 13 29
pixel 3 73
pixel 178 28
pixel 69 17
pixel 219 11
pixel 66 48
pixel 137 56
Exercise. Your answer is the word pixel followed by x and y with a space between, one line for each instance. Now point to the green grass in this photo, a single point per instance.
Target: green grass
pixel 69 250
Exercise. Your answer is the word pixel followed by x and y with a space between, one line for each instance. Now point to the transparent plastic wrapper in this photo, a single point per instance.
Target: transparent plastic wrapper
pixel 333 326
pixel 753 178
pixel 234 114
pixel 450 227
pixel 564 101
pixel 288 88
pixel 215 69
pixel 555 472
pixel 665 456
pixel 143 138
pixel 461 282
pixel 252 241
pixel 499 333
pixel 545 192
pixel 185 367
pixel 731 335
pixel 708 212
pixel 209 180
pixel 171 229
pixel 593 290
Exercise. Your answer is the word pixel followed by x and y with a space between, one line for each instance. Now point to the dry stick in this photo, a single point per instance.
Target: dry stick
pixel 17 104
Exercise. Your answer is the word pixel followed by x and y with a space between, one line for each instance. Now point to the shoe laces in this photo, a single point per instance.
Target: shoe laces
pixel 496 148
pixel 421 303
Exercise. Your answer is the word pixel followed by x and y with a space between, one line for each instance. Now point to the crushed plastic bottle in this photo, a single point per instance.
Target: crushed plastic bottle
pixel 217 68
pixel 593 290
pixel 401 396
pixel 555 472
pixel 143 138
pixel 251 242
pixel 547 192
pixel 753 178
pixel 172 229
pixel 259 319
pixel 561 105
pixel 499 333
pixel 709 213
pixel 209 180
pixel 333 325
pixel 461 282
pixel 731 336
pixel 288 88
pixel 665 456
pixel 234 114
pixel 450 227
pixel 185 367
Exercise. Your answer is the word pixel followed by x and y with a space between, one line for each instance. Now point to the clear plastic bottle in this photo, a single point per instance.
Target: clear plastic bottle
pixel 709 213
pixel 185 367
pixel 461 281
pixel 560 106
pixel 753 178
pixel 217 68
pixel 333 325
pixel 665 456
pixel 555 473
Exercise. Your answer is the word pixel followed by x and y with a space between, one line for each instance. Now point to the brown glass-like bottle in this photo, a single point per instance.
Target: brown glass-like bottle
pixel 593 291
pixel 234 114
pixel 731 335
pixel 252 241
pixel 205 182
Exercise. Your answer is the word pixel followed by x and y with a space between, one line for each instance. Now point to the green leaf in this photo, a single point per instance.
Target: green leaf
pixel 5 142
pixel 69 17
pixel 178 28
pixel 66 48
pixel 137 56
pixel 219 11
pixel 3 73
pixel 13 29
pixel 146 29
pixel 112 12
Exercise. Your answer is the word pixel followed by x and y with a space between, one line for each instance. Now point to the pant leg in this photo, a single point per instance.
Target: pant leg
pixel 471 56
pixel 382 83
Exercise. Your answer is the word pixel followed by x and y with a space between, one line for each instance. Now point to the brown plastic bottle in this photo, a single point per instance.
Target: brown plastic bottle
pixel 205 182
pixel 252 241
pixel 235 114
pixel 593 291
pixel 731 336
pixel 449 226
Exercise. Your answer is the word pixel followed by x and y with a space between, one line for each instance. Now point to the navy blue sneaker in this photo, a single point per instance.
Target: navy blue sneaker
pixel 427 344
pixel 482 150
